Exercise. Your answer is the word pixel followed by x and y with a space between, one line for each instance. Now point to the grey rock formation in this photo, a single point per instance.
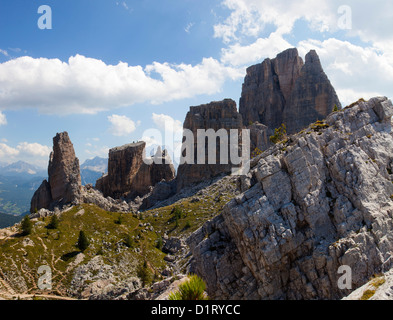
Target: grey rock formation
pixel 42 198
pixel 259 138
pixel 64 183
pixel 379 288
pixel 215 115
pixel 129 176
pixel 162 191
pixel 312 97
pixel 322 201
pixel 94 196
pixel 286 90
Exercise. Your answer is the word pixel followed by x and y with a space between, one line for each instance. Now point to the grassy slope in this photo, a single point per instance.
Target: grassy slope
pixel 20 257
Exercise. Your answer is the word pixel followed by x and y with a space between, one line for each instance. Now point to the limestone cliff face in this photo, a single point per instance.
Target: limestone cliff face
pixel 286 90
pixel 64 182
pixel 322 201
pixel 312 97
pixel 129 176
pixel 215 115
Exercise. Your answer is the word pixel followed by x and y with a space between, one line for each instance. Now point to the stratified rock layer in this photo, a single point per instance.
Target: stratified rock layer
pixel 64 183
pixel 286 90
pixel 215 115
pixel 129 175
pixel 322 202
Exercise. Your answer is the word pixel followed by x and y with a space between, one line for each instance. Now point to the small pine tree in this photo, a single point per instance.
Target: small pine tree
pixel 335 109
pixel 177 213
pixel 119 220
pixel 279 134
pixel 83 241
pixel 144 274
pixel 128 241
pixel 54 222
pixel 26 226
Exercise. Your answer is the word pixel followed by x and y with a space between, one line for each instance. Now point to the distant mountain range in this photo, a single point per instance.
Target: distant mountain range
pixel 21 168
pixel 19 180
pixel 93 169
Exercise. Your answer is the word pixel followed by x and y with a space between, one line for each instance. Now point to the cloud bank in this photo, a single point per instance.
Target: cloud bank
pixel 86 85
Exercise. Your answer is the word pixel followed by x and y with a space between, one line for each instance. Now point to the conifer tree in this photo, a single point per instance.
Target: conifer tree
pixel 26 226
pixel 54 222
pixel 83 242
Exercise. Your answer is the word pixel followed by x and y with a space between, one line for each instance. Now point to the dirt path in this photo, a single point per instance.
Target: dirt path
pixel 27 296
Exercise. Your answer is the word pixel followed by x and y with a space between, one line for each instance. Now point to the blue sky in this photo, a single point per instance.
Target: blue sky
pixel 109 70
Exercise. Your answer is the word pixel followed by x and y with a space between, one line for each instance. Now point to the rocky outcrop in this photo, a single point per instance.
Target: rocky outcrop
pixel 130 176
pixel 322 201
pixel 64 182
pixel 259 138
pixel 286 90
pixel 379 288
pixel 162 191
pixel 215 115
pixel 42 198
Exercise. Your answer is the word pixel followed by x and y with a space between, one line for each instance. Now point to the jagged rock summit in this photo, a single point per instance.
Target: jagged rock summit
pixel 319 201
pixel 130 176
pixel 64 181
pixel 286 90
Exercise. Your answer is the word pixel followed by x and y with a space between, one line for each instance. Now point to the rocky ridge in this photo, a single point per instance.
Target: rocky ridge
pixel 317 201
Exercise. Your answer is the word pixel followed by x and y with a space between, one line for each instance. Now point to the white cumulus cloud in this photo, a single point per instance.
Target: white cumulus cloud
pixel 87 85
pixel 7 152
pixel 34 149
pixel 167 123
pixel 3 119
pixel 121 125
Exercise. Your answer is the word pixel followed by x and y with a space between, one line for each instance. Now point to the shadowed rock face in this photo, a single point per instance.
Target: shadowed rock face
pixel 42 198
pixel 63 170
pixel 322 203
pixel 312 97
pixel 129 176
pixel 215 115
pixel 64 182
pixel 286 90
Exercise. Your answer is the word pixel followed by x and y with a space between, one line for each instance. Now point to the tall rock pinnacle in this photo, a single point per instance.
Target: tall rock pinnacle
pixel 215 115
pixel 64 180
pixel 286 90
